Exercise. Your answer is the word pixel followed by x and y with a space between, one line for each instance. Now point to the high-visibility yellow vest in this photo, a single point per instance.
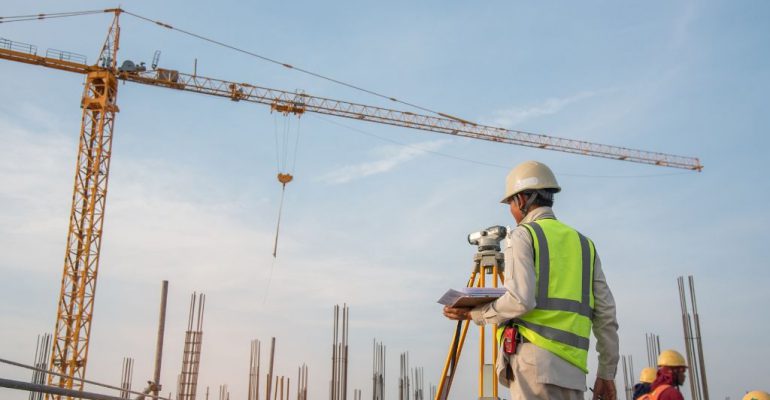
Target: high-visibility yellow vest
pixel 564 272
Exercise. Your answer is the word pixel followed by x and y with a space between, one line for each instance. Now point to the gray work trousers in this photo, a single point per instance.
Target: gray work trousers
pixel 525 385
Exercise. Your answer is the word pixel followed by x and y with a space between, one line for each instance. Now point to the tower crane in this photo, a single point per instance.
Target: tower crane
pixel 99 104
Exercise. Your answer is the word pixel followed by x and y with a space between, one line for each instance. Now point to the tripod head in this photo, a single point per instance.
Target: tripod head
pixel 488 242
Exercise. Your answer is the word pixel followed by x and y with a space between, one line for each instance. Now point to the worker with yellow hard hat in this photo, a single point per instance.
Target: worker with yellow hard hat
pixel 671 374
pixel 556 295
pixel 757 395
pixel 645 382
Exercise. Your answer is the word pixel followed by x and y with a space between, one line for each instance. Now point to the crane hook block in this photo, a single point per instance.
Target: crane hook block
pixel 285 178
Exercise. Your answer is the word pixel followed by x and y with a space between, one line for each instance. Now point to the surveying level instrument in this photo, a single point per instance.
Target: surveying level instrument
pixel 488 260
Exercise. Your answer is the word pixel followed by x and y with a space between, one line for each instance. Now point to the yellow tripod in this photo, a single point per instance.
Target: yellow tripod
pixel 487 261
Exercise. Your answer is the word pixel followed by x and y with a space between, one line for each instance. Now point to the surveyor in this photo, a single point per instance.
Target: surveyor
pixel 645 381
pixel 556 293
pixel 757 395
pixel 671 375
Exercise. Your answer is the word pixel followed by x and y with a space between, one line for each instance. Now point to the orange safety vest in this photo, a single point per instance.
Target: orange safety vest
pixel 655 393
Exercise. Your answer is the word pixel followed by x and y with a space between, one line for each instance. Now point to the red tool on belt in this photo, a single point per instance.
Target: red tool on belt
pixel 509 339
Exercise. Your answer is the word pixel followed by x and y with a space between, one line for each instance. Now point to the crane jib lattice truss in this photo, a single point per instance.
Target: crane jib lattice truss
pixel 291 102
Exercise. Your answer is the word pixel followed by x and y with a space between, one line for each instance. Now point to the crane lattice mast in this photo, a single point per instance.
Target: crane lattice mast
pixel 84 238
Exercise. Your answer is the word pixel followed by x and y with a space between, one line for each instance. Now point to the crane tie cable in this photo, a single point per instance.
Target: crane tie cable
pixel 286 65
pixel 30 17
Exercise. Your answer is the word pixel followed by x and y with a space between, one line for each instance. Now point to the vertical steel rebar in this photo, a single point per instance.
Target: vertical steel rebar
pixel 42 351
pixel 34 395
pixel 339 380
pixel 378 371
pixel 275 393
pixel 126 377
pixel 625 376
pixel 687 337
pixel 270 369
pixel 159 341
pixel 254 357
pixel 698 340
pixel 301 382
pixel 647 346
pixel 333 385
pixel 653 349
pixel 256 374
pixel 346 323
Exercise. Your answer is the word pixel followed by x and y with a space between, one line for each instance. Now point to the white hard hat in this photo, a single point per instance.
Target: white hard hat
pixel 529 175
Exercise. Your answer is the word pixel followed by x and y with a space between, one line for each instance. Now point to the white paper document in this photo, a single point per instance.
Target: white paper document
pixel 470 296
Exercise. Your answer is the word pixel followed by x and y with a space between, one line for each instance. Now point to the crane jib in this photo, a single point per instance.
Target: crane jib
pixel 284 101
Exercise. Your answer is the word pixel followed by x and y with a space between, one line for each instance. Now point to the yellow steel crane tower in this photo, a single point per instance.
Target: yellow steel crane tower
pixel 81 262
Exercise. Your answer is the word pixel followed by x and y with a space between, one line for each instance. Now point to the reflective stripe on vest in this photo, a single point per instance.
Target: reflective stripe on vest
pixel 564 266
pixel 655 394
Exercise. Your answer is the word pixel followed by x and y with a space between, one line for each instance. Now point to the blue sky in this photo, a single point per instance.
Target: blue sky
pixel 375 218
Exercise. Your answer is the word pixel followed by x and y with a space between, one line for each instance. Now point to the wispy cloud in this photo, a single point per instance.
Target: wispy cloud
pixel 392 157
pixel 682 25
pixel 510 117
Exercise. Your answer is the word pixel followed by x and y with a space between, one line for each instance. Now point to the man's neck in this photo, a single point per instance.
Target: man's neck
pixel 538 213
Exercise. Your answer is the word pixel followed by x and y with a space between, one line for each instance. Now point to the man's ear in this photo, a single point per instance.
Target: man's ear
pixel 520 200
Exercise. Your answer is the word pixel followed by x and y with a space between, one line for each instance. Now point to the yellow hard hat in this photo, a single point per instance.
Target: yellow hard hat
pixel 671 358
pixel 529 175
pixel 757 395
pixel 648 375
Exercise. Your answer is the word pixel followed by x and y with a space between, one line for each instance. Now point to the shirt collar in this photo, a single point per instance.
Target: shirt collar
pixel 542 212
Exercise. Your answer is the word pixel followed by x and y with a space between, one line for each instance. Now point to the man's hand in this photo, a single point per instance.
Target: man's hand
pixel 457 313
pixel 604 389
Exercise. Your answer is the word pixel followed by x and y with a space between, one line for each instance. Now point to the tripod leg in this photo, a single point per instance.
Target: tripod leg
pixel 450 365
pixel 498 277
pixel 455 346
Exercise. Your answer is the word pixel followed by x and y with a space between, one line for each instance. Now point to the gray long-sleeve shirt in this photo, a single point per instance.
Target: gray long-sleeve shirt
pixel 519 299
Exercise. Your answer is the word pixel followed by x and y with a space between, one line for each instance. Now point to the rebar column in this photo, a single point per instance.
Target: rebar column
pixel 126 377
pixel 42 351
pixel 188 379
pixel 302 382
pixel 378 371
pixel 254 357
pixel 698 341
pixel 339 381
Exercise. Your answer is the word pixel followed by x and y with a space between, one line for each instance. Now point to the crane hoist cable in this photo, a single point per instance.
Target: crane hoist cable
pixel 283 148
pixel 286 146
